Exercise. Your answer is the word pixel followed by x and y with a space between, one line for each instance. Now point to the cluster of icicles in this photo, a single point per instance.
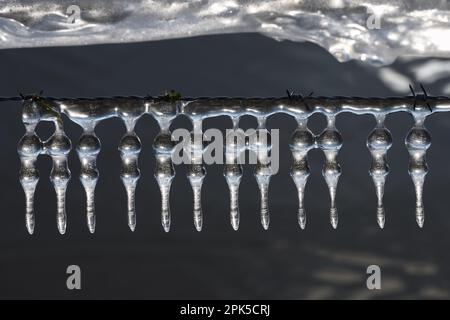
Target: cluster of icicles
pixel 88 112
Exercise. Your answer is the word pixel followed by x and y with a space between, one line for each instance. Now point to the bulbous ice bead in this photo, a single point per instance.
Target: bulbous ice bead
pixel 60 175
pixel 379 168
pixel 28 175
pixel 89 145
pixel 331 169
pixel 59 145
pixel 259 140
pixel 379 139
pixel 130 144
pixel 89 175
pixel 130 171
pixel 235 141
pixel 418 138
pixel 197 141
pixel 196 172
pixel 330 140
pixel 163 143
pixel 263 170
pixel 233 171
pixel 31 113
pixel 300 168
pixel 302 140
pixel 418 168
pixel 30 146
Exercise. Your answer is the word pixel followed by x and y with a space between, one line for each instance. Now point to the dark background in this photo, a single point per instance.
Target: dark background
pixel 282 263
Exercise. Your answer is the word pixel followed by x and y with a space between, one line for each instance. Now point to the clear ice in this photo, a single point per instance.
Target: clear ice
pixel 379 142
pixel 88 112
pixel 373 31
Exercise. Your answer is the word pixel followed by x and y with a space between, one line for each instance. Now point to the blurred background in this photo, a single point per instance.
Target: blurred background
pixel 218 263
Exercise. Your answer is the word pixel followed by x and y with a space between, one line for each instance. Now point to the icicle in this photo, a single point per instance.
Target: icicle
pixel 88 148
pixel 301 142
pixel 129 148
pixel 263 169
pixel 29 148
pixel 58 147
pixel 164 171
pixel 233 170
pixel 196 171
pixel 330 141
pixel 417 142
pixel 378 143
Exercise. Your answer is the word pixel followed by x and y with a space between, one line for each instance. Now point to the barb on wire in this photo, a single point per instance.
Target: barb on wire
pixel 423 97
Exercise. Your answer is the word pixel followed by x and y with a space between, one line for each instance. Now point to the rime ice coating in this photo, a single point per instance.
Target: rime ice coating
pixel 373 31
pixel 89 112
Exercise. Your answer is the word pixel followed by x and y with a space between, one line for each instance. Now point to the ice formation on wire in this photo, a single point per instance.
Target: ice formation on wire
pixel 88 112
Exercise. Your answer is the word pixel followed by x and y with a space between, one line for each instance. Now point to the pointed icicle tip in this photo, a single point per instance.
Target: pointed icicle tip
pixel 302 218
pixel 334 218
pixel 91 223
pixel 235 223
pixel 132 222
pixel 198 223
pixel 166 224
pixel 380 217
pixel 62 226
pixel 198 218
pixel 265 222
pixel 420 216
pixel 29 219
